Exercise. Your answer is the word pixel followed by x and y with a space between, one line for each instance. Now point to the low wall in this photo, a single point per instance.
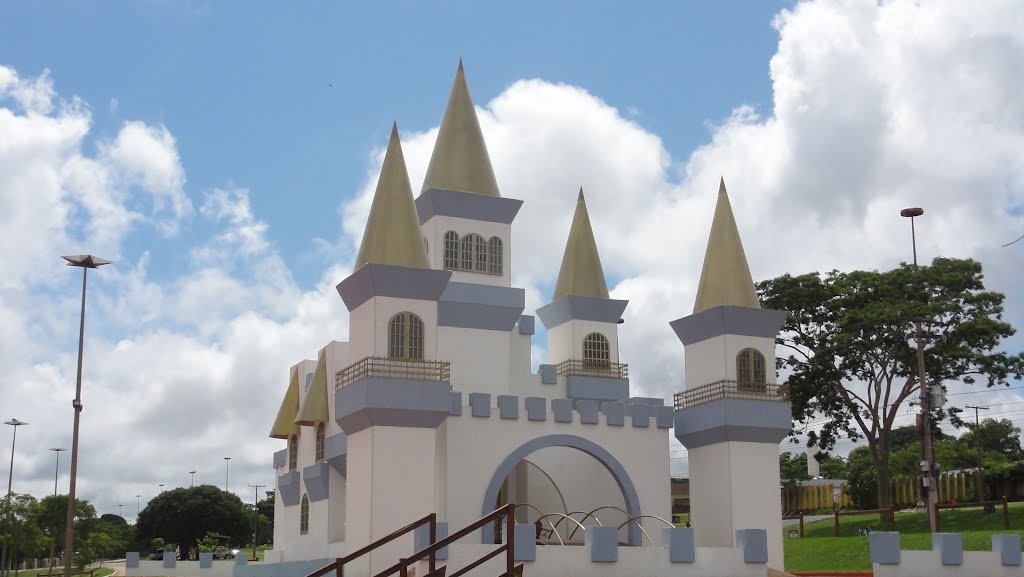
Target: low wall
pixel 947 557
pixel 181 569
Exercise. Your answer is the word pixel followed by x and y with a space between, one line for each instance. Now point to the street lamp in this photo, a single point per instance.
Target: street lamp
pixel 161 487
pixel 56 468
pixel 10 478
pixel 120 512
pixel 227 470
pixel 928 463
pixel 85 262
pixel 192 483
pixel 138 506
pixel 255 516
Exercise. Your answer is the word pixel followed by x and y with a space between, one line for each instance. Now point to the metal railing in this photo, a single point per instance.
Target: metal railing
pixel 394 369
pixel 731 390
pixel 590 368
pixel 338 566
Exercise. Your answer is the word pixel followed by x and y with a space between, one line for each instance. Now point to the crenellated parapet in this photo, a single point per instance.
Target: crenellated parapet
pixel 637 413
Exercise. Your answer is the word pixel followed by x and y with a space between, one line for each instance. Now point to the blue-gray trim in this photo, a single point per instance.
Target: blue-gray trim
pixel 754 543
pixel 728 320
pixel 575 307
pixel 241 560
pixel 548 374
pixel 391 403
pixel 950 547
pixel 280 458
pixel 537 408
pixel 206 560
pixel 640 415
pixel 618 472
pixel 664 416
pixel 649 401
pixel 599 389
pixel 527 326
pixel 733 420
pixel 588 410
pixel 336 452
pixel 680 544
pixel 614 414
pixel 455 403
pixel 131 559
pixel 478 306
pixel 508 406
pixel 480 404
pixel 170 561
pixel 526 542
pixel 385 280
pixel 284 569
pixel 421 538
pixel 562 408
pixel 317 482
pixel 1008 547
pixel 468 205
pixel 602 543
pixel 288 488
pixel 884 547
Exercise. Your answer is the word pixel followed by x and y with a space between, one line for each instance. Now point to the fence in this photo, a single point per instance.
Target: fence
pixel 810 497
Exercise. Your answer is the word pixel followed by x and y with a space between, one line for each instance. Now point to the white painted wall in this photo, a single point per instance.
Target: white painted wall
pixel 566 340
pixel 435 229
pixel 479 359
pixel 929 564
pixel 714 359
pixel 735 485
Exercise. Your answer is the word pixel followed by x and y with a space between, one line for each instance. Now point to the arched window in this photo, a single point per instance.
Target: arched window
pixel 451 250
pixel 405 337
pixel 750 369
pixel 321 432
pixel 494 255
pixel 304 515
pixel 596 352
pixel 474 253
pixel 293 452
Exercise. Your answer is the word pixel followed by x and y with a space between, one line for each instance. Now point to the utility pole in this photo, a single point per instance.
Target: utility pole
pixel 255 516
pixel 930 492
pixel 227 471
pixel 192 483
pixel 977 439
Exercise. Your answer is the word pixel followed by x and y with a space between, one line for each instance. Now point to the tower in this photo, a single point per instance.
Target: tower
pixel 732 415
pixel 582 321
pixel 393 394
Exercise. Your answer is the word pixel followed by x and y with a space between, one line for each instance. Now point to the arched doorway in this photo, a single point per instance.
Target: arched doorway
pixel 617 471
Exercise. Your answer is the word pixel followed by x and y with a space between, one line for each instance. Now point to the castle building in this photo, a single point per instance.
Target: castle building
pixel 432 406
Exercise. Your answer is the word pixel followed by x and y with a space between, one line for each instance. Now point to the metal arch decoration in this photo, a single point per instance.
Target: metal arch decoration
pixel 553 525
pixel 633 519
pixel 585 515
pixel 601 508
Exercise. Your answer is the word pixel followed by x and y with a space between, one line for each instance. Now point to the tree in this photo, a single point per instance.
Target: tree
pixel 998 437
pixel 265 509
pixel 184 515
pixel 851 351
pixel 861 480
pixel 793 468
pixel 832 467
pixel 51 513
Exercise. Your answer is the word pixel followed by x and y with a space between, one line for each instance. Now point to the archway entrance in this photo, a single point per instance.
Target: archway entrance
pixel 627 495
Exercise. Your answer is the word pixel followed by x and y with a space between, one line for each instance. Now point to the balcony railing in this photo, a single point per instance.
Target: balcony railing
pixel 389 368
pixel 731 390
pixel 577 367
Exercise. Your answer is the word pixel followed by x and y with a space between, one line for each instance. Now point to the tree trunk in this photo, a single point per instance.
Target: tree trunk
pixel 881 459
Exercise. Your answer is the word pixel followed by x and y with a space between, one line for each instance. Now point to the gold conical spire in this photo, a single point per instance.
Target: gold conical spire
pixel 725 278
pixel 581 272
pixel 460 161
pixel 284 424
pixel 314 405
pixel 392 234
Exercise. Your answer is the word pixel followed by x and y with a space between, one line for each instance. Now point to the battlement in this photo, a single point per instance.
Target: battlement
pixel 640 413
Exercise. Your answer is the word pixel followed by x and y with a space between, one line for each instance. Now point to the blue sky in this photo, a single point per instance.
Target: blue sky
pixel 201 146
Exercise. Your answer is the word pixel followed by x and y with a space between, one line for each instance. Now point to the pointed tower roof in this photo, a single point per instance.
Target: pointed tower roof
pixel 392 234
pixel 314 404
pixel 725 278
pixel 460 160
pixel 284 424
pixel 581 273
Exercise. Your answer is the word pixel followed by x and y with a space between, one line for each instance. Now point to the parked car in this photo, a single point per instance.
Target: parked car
pixel 157 555
pixel 224 553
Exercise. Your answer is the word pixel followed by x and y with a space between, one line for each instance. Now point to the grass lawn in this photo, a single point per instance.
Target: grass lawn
pixel 98 572
pixel 821 550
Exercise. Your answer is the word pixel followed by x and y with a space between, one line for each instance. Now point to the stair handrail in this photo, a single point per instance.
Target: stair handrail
pixel 339 563
pixel 511 569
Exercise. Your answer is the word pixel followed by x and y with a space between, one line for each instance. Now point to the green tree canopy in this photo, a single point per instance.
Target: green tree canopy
pixel 185 515
pixel 793 468
pixel 996 437
pixel 851 353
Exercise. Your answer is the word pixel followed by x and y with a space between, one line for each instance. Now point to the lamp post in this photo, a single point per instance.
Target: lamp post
pixel 138 507
pixel 4 561
pixel 161 487
pixel 977 438
pixel 85 262
pixel 928 463
pixel 227 471
pixel 56 470
pixel 120 512
pixel 192 483
pixel 255 516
